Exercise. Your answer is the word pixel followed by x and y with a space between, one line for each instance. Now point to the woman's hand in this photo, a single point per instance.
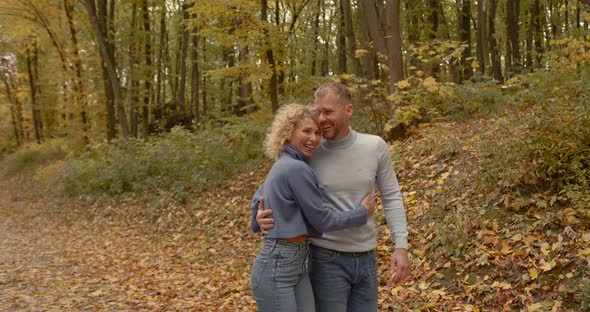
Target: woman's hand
pixel 369 203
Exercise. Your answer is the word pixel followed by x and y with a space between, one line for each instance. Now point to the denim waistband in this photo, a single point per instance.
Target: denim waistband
pixel 277 241
pixel 344 253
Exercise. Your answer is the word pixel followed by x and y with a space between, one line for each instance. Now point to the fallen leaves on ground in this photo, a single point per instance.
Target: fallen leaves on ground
pixel 196 256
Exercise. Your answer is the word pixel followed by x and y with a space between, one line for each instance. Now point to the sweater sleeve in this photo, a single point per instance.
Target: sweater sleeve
pixel 391 197
pixel 305 187
pixel 254 207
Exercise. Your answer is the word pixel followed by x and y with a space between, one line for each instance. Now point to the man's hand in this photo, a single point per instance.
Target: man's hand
pixel 261 218
pixel 399 267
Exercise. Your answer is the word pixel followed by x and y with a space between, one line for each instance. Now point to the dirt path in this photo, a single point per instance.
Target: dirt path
pixel 53 264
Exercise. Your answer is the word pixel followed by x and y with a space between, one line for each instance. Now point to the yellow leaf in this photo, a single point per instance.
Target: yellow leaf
pixel 403 84
pixel 502 285
pixel 584 253
pixel 547 266
pixel 360 53
pixel 545 249
pixel 430 84
pixel 533 273
pixel 506 248
pixel 535 307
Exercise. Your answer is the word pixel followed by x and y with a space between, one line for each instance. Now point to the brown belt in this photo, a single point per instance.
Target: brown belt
pixel 297 239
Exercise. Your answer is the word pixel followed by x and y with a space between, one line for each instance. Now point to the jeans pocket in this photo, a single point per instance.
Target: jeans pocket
pixel 322 255
pixel 257 272
pixel 286 255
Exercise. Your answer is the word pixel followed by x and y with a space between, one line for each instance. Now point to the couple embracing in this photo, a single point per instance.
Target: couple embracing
pixel 316 208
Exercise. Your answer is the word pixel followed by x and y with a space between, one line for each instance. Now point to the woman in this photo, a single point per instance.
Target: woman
pixel 279 278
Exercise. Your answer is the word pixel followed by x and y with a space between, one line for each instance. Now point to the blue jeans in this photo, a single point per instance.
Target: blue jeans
pixel 280 278
pixel 343 281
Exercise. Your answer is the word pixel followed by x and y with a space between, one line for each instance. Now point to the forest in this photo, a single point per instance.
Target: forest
pixel 140 123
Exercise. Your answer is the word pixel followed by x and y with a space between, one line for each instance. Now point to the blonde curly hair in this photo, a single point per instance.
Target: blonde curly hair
pixel 283 124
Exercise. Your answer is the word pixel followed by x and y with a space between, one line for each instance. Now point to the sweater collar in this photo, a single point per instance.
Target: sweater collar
pixel 342 143
pixel 295 153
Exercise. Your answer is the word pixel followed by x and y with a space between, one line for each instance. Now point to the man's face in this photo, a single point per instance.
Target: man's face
pixel 334 116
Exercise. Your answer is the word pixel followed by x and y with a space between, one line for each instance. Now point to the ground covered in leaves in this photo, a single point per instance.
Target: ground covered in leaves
pixel 468 251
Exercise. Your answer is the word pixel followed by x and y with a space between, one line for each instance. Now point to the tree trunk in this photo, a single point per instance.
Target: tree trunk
pixel 160 83
pixel 277 57
pixel 465 35
pixel 578 13
pixel 413 28
pixel 482 36
pixel 15 106
pixel 184 54
pixel 433 34
pixel 513 63
pixel 133 74
pixel 385 31
pixel 370 59
pixel 98 26
pixel 204 89
pixel 33 72
pixel 528 53
pixel 227 83
pixel 538 33
pixel 566 16
pixel 195 75
pixel 325 62
pixel 316 27
pixel 554 18
pixel 495 56
pixel 273 85
pixel 341 41
pixel 147 78
pixel 245 100
pixel 350 37
pixel 394 43
pixel 79 88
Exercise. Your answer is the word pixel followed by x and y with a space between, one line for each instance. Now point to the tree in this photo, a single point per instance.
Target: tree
pixel 273 83
pixel 32 51
pixel 513 61
pixel 495 55
pixel 79 87
pixel 384 28
pixel 351 46
pixel 465 35
pixel 148 70
pixel 482 36
pixel 98 20
pixel 8 73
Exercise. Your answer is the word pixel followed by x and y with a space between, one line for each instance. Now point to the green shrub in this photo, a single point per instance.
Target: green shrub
pixel 420 99
pixel 174 162
pixel 545 147
pixel 32 156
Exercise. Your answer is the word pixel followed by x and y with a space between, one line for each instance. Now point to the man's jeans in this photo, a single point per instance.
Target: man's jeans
pixel 342 281
pixel 280 278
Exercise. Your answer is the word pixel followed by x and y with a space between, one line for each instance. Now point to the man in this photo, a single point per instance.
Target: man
pixel 348 164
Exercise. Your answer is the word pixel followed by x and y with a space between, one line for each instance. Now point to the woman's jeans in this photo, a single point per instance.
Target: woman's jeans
pixel 280 278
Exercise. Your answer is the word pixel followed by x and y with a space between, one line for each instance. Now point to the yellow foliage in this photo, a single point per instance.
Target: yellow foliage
pixel 403 84
pixel 430 84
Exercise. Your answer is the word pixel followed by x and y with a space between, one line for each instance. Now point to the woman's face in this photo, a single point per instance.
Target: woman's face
pixel 306 136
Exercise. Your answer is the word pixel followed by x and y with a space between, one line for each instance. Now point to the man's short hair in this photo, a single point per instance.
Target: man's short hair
pixel 339 89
